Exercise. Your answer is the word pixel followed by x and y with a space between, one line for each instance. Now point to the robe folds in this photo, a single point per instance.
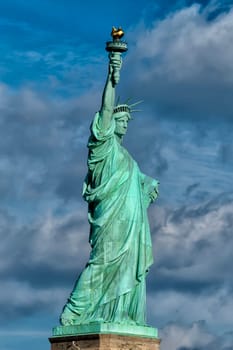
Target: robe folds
pixel 112 286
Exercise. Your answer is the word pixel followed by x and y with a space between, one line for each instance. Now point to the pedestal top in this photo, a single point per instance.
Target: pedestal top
pixel 105 328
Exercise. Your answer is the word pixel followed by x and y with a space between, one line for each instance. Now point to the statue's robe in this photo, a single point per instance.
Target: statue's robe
pixel 112 286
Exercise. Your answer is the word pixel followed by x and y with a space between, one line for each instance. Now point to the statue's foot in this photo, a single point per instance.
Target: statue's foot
pixel 66 321
pixel 67 318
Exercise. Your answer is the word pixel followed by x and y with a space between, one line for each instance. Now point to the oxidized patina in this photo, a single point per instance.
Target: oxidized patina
pixel 112 286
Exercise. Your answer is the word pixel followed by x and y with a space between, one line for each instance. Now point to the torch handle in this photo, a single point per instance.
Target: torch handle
pixel 116 71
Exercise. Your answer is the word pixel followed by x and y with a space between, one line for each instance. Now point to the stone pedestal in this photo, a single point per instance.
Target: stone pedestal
pixel 104 342
pixel 104 336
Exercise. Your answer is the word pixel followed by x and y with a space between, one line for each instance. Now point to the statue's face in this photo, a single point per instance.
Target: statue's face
pixel 121 124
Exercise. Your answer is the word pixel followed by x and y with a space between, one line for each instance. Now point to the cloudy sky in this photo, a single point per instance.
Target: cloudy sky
pixel 53 68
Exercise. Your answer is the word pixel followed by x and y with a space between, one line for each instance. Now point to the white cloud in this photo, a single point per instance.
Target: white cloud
pixel 184 63
pixel 186 44
pixel 197 335
pixel 61 242
pixel 21 296
pixel 186 307
pixel 175 336
pixel 195 238
pixel 191 279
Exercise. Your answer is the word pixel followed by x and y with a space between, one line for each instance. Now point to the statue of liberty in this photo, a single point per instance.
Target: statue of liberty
pixel 112 286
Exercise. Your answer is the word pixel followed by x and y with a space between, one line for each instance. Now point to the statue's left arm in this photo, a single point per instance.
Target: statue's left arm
pixel 150 189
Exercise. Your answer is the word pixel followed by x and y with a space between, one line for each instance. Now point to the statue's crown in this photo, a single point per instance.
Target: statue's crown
pixel 122 108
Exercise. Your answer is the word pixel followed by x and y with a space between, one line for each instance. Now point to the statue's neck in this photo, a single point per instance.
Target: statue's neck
pixel 119 138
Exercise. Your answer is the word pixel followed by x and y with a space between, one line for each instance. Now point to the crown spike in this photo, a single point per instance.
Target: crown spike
pixel 136 103
pixel 128 99
pixel 124 107
pixel 118 100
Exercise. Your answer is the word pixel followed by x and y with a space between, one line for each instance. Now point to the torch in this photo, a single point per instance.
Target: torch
pixel 115 49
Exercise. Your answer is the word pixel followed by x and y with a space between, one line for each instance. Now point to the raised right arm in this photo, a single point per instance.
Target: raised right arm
pixel 108 98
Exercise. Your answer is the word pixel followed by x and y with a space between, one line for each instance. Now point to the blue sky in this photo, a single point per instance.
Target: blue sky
pixel 53 68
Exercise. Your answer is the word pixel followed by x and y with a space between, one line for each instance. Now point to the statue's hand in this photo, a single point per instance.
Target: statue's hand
pixel 115 63
pixel 154 194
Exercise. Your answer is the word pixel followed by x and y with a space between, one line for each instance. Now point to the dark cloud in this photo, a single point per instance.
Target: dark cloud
pixel 191 188
pixel 188 348
pixel 215 8
pixel 40 260
pixel 226 153
pixel 190 279
pixel 69 186
pixel 146 144
pixel 161 9
pixel 189 243
pixel 43 146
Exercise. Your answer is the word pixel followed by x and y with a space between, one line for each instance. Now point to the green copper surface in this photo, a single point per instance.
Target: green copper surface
pixel 105 328
pixel 111 289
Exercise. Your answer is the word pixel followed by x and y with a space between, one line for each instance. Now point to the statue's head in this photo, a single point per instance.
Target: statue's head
pixel 121 114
